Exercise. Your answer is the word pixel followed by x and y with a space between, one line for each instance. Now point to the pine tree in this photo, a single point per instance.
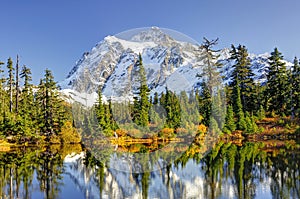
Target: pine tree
pixel 258 98
pixel 242 76
pixel 100 110
pixel 212 82
pixel 141 103
pixel 241 124
pixel 251 126
pixel 162 99
pixel 27 99
pixel 295 78
pixel 261 113
pixel 155 99
pixel 205 103
pixel 229 121
pixel 10 82
pixel 2 91
pixel 52 113
pixel 209 57
pixel 173 110
pixel 17 85
pixel 168 108
pixel 278 90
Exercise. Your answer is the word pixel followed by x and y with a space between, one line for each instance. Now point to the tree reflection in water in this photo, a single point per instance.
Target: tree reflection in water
pixel 252 170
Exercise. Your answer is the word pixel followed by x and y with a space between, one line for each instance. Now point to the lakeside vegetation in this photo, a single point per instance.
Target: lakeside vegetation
pixel 31 115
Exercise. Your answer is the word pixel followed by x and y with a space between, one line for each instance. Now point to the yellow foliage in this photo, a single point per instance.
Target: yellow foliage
pixel 202 128
pixel 69 134
pixel 121 132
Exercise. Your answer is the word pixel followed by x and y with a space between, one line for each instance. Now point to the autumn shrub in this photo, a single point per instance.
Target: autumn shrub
pixel 202 128
pixel 69 134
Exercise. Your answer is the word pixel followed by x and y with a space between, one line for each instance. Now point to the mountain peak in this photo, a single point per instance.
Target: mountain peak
pixel 153 34
pixel 168 61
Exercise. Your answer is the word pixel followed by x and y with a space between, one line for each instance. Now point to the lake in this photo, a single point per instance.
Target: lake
pixel 268 169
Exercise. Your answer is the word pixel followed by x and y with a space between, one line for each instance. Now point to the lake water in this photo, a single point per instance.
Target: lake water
pixel 249 170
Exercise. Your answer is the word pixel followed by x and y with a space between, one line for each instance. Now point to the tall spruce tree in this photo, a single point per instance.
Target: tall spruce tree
pixel 100 110
pixel 27 98
pixel 243 77
pixel 141 103
pixel 52 114
pixel 212 81
pixel 295 79
pixel 278 90
pixel 241 123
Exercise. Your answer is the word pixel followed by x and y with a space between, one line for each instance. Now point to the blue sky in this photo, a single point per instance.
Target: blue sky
pixel 53 34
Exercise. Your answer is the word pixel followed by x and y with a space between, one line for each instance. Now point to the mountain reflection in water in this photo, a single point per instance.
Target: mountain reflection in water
pixel 253 170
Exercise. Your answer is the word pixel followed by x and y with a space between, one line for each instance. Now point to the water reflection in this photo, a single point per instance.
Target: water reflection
pixel 253 170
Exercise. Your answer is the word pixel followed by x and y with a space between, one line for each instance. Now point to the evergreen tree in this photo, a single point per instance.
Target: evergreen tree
pixel 155 99
pixel 241 124
pixel 27 99
pixel 261 113
pixel 52 113
pixel 141 103
pixel 113 123
pixel 258 98
pixel 251 126
pixel 229 120
pixel 242 76
pixel 173 110
pixel 295 101
pixel 209 57
pixel 10 82
pixel 162 99
pixel 2 91
pixel 278 90
pixel 205 103
pixel 211 102
pixel 17 84
pixel 100 110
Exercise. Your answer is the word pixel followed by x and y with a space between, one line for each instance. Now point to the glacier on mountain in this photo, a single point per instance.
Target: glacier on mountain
pixel 168 62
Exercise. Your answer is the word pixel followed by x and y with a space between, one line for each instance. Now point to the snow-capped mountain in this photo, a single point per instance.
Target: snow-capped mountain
pixel 168 62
